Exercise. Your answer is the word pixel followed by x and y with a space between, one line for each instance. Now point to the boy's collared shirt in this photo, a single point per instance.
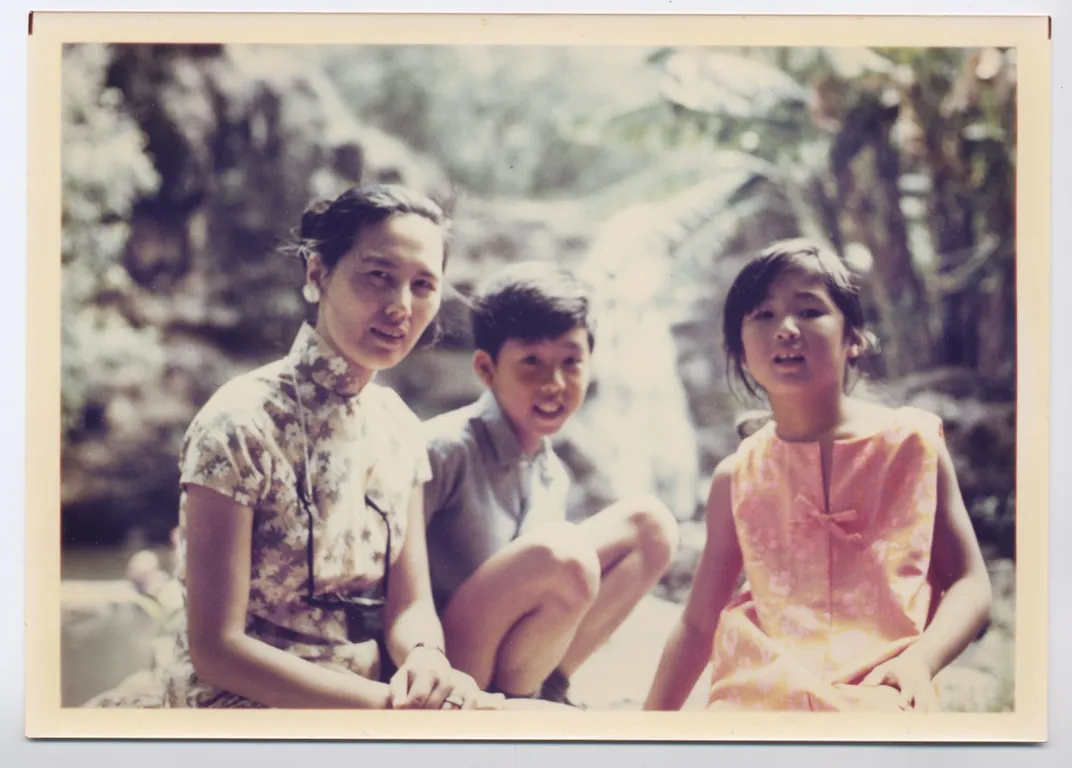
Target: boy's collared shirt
pixel 484 493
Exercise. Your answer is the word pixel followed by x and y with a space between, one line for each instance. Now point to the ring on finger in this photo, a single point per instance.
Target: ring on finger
pixel 454 700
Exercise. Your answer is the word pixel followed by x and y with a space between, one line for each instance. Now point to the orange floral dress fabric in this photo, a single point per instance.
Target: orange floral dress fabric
pixel 830 592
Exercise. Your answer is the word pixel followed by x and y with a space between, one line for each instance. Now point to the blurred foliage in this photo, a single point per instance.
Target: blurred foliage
pixel 502 121
pixel 655 170
pixel 104 170
pixel 902 160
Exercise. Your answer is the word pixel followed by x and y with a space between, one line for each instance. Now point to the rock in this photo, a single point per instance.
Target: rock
pixel 241 139
pixel 141 690
pixel 962 689
pixel 955 382
pixel 145 573
pixel 619 675
pixel 984 675
pixel 107 633
pixel 676 582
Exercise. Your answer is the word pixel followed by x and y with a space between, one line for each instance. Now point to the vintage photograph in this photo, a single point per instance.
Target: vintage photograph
pixel 561 378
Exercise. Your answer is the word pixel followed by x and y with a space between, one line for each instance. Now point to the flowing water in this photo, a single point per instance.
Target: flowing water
pixel 105 637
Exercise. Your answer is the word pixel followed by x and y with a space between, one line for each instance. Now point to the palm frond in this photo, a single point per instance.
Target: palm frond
pixel 725 84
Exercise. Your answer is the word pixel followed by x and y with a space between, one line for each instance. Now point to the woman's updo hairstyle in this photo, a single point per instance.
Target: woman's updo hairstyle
pixel 330 227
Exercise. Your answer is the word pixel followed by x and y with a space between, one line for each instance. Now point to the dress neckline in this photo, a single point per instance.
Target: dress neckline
pixel 881 426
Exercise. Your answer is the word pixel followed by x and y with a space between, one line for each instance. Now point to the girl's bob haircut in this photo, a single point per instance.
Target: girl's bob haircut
pixel 750 288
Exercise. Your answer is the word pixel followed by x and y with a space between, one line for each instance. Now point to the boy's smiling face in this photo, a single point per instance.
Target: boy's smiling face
pixel 538 384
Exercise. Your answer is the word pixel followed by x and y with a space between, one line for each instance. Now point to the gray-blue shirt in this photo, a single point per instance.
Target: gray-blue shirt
pixel 483 493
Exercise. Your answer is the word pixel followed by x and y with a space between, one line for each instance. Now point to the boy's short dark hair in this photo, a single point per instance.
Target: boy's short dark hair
pixel 529 301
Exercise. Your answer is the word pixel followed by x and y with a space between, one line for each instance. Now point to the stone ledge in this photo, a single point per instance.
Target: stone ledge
pixel 106 634
pixel 619 674
pixel 108 628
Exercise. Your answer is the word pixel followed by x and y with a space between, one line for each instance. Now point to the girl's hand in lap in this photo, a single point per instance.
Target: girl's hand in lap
pixel 427 681
pixel 912 678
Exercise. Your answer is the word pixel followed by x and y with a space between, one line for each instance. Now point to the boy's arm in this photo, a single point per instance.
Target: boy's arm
pixel 447 458
pixel 688 648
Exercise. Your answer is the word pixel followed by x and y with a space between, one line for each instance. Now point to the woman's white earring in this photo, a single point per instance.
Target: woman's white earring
pixel 311 292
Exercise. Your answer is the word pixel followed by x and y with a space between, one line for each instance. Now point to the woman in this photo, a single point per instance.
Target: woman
pixel 301 549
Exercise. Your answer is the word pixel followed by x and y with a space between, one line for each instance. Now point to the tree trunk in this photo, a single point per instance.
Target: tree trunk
pixel 870 199
pixel 950 211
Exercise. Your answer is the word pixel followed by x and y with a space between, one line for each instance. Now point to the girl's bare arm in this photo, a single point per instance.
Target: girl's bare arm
pixel 688 648
pixel 957 563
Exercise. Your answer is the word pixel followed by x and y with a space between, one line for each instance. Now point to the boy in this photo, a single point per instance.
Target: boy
pixel 526 597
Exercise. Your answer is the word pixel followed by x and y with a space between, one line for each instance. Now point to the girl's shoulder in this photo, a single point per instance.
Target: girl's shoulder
pixel 874 420
pixel 866 421
pixel 728 465
pixel 763 431
pixel 921 419
pixel 753 450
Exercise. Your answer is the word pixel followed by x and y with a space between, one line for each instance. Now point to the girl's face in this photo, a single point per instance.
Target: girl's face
pixel 383 292
pixel 795 339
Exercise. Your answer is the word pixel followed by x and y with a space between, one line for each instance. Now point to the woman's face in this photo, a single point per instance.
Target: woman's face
pixel 383 292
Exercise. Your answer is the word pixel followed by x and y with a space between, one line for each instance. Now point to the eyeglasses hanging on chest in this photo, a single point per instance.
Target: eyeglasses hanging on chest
pixel 364 613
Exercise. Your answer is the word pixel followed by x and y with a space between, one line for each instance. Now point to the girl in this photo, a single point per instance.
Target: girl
pixel 863 574
pixel 302 551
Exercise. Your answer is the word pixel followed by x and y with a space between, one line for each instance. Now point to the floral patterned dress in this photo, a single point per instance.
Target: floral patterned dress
pixel 247 443
pixel 833 592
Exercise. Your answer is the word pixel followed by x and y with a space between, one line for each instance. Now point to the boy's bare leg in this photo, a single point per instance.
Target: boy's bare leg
pixel 512 620
pixel 635 541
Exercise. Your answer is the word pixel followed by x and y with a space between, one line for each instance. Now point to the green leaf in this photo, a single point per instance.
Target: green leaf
pixel 725 84
pixel 853 62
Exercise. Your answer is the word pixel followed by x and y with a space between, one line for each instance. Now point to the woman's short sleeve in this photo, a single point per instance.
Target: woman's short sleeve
pixel 446 459
pixel 224 450
pixel 424 466
pixel 409 436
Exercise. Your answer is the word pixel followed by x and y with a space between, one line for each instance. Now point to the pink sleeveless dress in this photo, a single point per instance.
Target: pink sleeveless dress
pixel 829 593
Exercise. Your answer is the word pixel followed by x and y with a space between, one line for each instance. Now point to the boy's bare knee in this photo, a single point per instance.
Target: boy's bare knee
pixel 656 530
pixel 567 564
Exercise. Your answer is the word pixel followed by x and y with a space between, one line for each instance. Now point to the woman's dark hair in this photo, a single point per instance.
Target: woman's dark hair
pixel 529 301
pixel 750 288
pixel 330 227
